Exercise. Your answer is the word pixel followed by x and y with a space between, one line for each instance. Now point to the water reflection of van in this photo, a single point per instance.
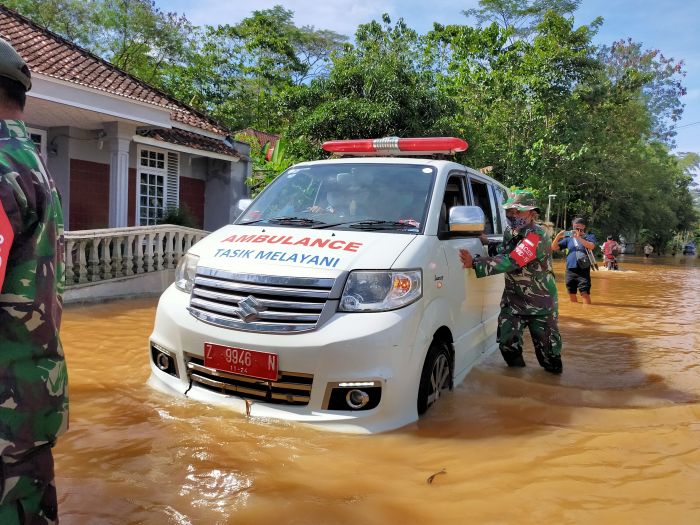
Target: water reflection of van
pixel 338 297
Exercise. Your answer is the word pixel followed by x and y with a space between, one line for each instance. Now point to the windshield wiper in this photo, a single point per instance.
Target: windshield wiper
pixel 294 221
pixel 383 225
pixel 288 221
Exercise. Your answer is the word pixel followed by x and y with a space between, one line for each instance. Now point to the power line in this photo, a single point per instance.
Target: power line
pixel 686 125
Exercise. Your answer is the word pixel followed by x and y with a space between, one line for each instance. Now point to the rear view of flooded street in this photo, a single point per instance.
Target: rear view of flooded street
pixel 614 439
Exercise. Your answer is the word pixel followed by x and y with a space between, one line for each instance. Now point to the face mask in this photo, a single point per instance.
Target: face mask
pixel 516 223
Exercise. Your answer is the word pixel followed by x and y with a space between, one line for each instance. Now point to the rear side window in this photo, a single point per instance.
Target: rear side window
pixel 498 199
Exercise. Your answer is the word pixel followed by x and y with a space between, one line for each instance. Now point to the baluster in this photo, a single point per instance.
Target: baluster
pixel 117 255
pixel 94 269
pixel 159 252
pixel 106 258
pixel 139 253
pixel 70 274
pixel 149 252
pixel 129 255
pixel 177 247
pixel 82 261
pixel 169 249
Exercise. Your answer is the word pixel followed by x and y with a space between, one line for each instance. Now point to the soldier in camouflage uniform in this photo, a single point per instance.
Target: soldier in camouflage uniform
pixel 33 382
pixel 530 294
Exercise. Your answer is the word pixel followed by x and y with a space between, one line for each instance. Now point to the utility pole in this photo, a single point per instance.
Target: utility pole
pixel 549 207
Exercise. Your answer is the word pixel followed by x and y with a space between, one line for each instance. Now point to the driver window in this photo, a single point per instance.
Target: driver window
pixel 480 193
pixel 455 195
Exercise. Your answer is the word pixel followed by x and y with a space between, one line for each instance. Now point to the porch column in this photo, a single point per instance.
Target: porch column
pixel 118 135
pixel 118 182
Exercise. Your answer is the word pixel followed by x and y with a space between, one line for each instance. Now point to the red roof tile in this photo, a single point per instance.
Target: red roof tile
pixel 191 140
pixel 52 55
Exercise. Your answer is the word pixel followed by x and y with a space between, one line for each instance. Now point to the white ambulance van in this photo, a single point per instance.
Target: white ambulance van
pixel 338 298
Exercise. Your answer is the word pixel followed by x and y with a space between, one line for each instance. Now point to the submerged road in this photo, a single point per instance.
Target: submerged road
pixel 612 440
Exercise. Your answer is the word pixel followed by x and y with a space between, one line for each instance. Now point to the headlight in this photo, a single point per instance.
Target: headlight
pixel 185 272
pixel 377 291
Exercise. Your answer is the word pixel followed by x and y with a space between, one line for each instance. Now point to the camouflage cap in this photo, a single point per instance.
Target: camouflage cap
pixel 521 200
pixel 12 65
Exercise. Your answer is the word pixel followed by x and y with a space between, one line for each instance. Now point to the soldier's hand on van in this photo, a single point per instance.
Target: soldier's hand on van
pixel 466 258
pixel 484 239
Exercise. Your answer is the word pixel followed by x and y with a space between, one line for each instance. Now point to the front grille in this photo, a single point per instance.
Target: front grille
pixel 291 388
pixel 261 303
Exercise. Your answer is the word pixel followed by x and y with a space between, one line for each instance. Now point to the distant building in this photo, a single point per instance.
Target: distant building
pixel 121 151
pixel 262 136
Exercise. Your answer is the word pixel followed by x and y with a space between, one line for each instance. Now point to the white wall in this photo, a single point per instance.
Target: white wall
pixel 225 187
pixel 58 163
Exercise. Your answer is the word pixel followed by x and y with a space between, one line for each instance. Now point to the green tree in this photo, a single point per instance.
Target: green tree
pixel 140 39
pixel 663 88
pixel 239 73
pixel 134 35
pixel 269 160
pixel 518 101
pixel 76 20
pixel 519 16
pixel 378 87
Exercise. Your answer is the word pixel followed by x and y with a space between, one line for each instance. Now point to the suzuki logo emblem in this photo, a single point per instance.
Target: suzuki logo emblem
pixel 249 308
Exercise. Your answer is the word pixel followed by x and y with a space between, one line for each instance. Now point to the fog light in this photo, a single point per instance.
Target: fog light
pixel 356 398
pixel 163 361
pixel 352 395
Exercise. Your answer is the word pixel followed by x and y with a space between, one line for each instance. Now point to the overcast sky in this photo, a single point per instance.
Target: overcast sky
pixel 668 25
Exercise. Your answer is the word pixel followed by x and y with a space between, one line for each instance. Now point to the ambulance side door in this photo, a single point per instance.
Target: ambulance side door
pixel 489 197
pixel 464 290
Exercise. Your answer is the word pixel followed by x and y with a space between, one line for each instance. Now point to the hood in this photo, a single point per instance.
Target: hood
pixel 298 251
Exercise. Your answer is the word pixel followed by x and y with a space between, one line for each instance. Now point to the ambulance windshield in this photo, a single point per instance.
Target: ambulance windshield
pixel 381 197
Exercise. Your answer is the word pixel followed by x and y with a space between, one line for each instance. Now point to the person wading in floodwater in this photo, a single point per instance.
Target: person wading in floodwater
pixel 530 293
pixel 578 261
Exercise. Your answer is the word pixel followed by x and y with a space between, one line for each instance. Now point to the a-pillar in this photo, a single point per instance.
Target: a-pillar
pixel 119 137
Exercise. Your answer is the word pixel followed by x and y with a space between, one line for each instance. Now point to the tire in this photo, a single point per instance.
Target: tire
pixel 435 377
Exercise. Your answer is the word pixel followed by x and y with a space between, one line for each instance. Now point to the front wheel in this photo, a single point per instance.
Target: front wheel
pixel 436 376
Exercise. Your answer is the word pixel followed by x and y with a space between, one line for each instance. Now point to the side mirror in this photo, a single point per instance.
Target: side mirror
pixel 466 221
pixel 243 204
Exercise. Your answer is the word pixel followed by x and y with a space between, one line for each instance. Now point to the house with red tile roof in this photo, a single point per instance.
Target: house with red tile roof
pixel 122 152
pixel 261 136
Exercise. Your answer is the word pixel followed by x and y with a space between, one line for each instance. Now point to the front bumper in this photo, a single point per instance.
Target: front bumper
pixel 382 347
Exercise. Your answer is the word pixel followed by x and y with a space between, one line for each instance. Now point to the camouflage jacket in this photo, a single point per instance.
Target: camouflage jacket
pixel 33 383
pixel 526 260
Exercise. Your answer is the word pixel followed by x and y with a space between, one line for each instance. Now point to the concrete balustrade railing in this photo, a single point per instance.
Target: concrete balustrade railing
pixel 101 255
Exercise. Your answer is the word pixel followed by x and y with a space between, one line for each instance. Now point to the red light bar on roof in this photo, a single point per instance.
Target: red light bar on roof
pixel 397 146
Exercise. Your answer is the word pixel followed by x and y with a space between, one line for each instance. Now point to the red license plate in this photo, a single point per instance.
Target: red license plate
pixel 261 365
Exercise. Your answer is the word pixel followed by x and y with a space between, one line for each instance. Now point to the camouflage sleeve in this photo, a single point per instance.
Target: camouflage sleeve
pixel 526 251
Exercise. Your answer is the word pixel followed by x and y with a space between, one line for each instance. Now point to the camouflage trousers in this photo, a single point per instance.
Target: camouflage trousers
pixel 28 489
pixel 543 330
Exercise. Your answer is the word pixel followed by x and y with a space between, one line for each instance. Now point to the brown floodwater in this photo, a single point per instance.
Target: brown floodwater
pixel 615 439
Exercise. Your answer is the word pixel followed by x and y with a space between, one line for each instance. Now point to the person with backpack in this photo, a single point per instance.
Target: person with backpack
pixel 578 259
pixel 610 251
